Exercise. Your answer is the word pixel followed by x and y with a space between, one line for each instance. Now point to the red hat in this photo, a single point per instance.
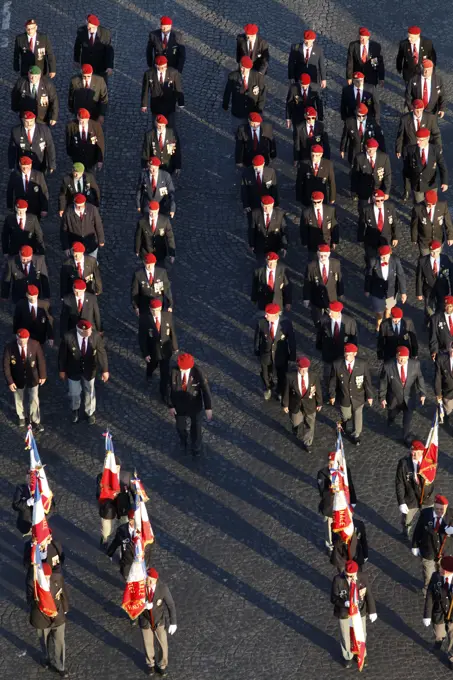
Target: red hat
pixel 378 193
pixel 362 109
pixel 309 35
pixel 448 300
pixel 350 347
pixel 427 63
pixel 272 257
pixel 310 112
pixel 305 79
pixel 28 115
pixel 166 21
pixel 79 284
pixel 323 248
pixel 384 250
pixel 47 569
pixel 83 114
pixel 93 20
pixel 22 204
pixel 317 196
pixel 185 361
pixel 303 362
pixel 30 21
pixel 87 70
pixel 153 205
pixel 161 60
pixel 418 104
pixel 155 161
pixel 336 306
pixel 161 120
pixel 442 500
pixel 250 29
pixel 78 247
pixel 155 303
pixel 26 251
pixel 396 312
pixel 417 445
pixel 447 563
pixel 402 351
pixel 246 62
pixel 317 148
pixel 25 160
pixel 131 514
pixel 414 30
pixel 80 199
pixel 422 133
pixel 434 245
pixel 84 325
pixel 23 333
pixel 258 160
pixel 431 197
pixel 255 117
pixel 152 573
pixel 267 200
pixel 372 143
pixel 364 31
pixel 351 567
pixel 272 308
pixel 150 258
pixel 32 290
pixel 358 75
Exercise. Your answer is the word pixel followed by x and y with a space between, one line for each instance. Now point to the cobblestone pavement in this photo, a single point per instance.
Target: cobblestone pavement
pixel 239 539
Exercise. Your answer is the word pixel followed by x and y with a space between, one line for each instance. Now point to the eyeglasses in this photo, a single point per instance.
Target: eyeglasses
pixel 311 117
pixel 379 200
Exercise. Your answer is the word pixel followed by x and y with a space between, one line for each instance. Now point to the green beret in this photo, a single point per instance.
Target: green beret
pixel 34 70
pixel 78 167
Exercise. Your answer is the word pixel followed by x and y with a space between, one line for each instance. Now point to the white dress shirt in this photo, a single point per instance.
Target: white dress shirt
pixel 302 381
pixel 385 271
pixel 25 178
pixel 356 89
pixel 322 265
pixel 268 273
pixel 333 323
pixel 256 131
pixel 431 260
pixel 361 122
pixel 25 347
pixel 428 84
pixel 350 364
pixel 185 373
pixel 35 307
pixel 426 150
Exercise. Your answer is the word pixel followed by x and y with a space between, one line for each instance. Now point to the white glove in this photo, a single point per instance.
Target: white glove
pixel 427 622
pixel 404 509
pixel 30 502
pixel 449 531
pixel 149 605
pixel 373 617
pixel 346 603
pixel 415 552
pixel 353 504
pixel 365 559
pixel 172 628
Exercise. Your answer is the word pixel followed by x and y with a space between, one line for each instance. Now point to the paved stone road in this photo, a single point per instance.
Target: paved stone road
pixel 239 539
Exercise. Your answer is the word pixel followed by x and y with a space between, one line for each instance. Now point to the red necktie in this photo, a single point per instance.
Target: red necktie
pixel 21 224
pixel 150 278
pixel 26 269
pixel 361 129
pixel 415 54
pixel 358 98
pixel 157 322
pixel 87 84
pixel 350 369
pixel 270 282
pixel 84 347
pixel 336 331
pixel 161 141
pixel 446 584
pixel 81 216
pixel 153 226
pixel 417 125
pixel 403 375
pixel 153 184
pixel 165 42
pixel 272 332
pixel 30 140
pixel 435 270
pixel 33 313
pixel 325 278
pixel 364 54
pixel 250 50
pixel 268 220
pixel 319 218
pixel 161 78
pixel 450 324
pixel 437 527
pixel 79 270
pixel 305 96
pixel 425 93
pixel 255 141
pixel 91 39
pixel 26 183
pixel 23 355
pixel 372 163
pixel 184 382
pixel 245 84
pixel 380 222
pixel 84 135
pixel 304 387
pixel 315 169
pixel 79 306
pixel 258 179
pixel 307 56
pixel 423 158
pixel 310 134
pixel 31 45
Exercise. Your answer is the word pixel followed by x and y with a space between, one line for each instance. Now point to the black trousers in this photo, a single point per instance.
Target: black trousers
pixel 269 371
pixel 195 429
pixel 407 418
pixel 164 367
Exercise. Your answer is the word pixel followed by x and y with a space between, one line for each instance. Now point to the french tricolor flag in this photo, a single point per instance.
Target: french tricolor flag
pixel 110 482
pixel 40 477
pixel 39 529
pixel 142 522
pixel 135 591
pixel 43 596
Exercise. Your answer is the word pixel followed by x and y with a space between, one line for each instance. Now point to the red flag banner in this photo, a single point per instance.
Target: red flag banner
pixel 428 466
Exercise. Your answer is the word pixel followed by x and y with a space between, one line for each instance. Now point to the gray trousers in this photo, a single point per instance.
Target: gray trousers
pixel 107 526
pixel 345 639
pixel 33 399
pixel 347 412
pixel 442 631
pixel 407 520
pixel 75 392
pixel 53 645
pixel 419 196
pixel 308 421
pixel 448 406
pixel 156 654
pixel 428 568
pixel 328 530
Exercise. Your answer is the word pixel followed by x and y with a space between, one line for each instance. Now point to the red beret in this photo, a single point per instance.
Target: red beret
pixel 378 193
pixel 185 361
pixel 155 303
pixel 351 567
pixel 150 258
pixel 161 120
pixel 418 104
pixel 431 197
pixel 323 248
pixel 267 200
pixel 28 115
pixel 166 21
pixel 153 205
pixel 434 245
pixel 396 312
pixel 255 117
pixel 384 250
pixel 30 21
pixel 422 133
pixel 317 196
pixel 362 109
pixel 350 347
pixel 155 161
pixel 309 35
pixel 303 362
pixel 310 112
pixel 83 114
pixel 372 143
pixel 447 563
pixel 317 148
pixel 336 306
pixel 131 514
pixel 442 500
pixel 414 30
pixel 358 75
pixel 402 351
pixel 80 199
pixel 47 569
pixel 25 160
pixel 78 247
pixel 448 300
pixel 87 69
pixel 152 573
pixel 32 290
pixel 258 160
pixel 93 20
pixel 305 79
pixel 246 62
pixel 26 251
pixel 364 31
pixel 84 325
pixel 250 29
pixel 161 60
pixel 427 63
pixel 79 284
pixel 417 445
pixel 272 308
pixel 22 204
pixel 23 333
pixel 273 257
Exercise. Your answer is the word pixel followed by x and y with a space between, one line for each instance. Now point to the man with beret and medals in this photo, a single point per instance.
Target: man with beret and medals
pixel 302 399
pixel 307 134
pixel 88 92
pixel 396 331
pixel 251 44
pixel 271 284
pixel 93 45
pixel 318 225
pixel 33 140
pixel 163 143
pixel 434 279
pixel 167 42
pixel 315 174
pixel 162 87
pixel 441 329
pixel 36 93
pixel 28 185
pixel 308 57
pixel 432 537
pixel 443 383
pixel 247 91
pixel 439 607
pixel 254 138
pixel 413 494
pixel 384 280
pixel 378 226
pixel 429 87
pixel 423 164
pixel 79 181
pixel 275 345
pixel 34 48
pixel 158 342
pixel 365 55
pixel 412 51
pixel 323 283
pixel 85 145
pixel 267 230
pixel 158 616
pixel 326 484
pixel 333 331
pixel 429 220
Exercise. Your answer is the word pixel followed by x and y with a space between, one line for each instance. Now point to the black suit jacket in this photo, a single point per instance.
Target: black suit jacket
pixel 324 482
pixel 272 239
pixel 340 593
pixel 163 97
pixel 68 190
pixel 352 143
pixel 315 67
pixel 169 156
pixel 41 150
pixel 368 231
pixel 311 235
pixel 246 149
pixel 175 50
pixel 142 292
pixel 195 398
pixel 89 230
pixel 392 390
pixel 251 193
pixel 44 105
pixel 425 178
pixel 408 490
pixel 100 55
pixel 303 142
pixel 59 594
pixel 243 102
pixel 423 230
pixel 443 381
pixel 440 338
pixel 41 56
pixel 89 152
pixel 281 349
pixel 24 374
pixel 159 345
pixel 350 389
pixel 163 612
pixel 15 281
pixel 13 237
pixel 164 193
pixel 161 242
pixel 37 194
pixel 307 181
pixel 406 135
pixel 292 397
pixel 315 291
pixel 434 288
pixel 430 541
pixel 41 328
pixel 389 340
pixel 436 101
pixel 94 98
pixel 373 68
pixel 331 348
pixel 91 275
pixel 71 361
pixel 365 180
pixel 438 600
pixel 348 105
pixel 70 315
pixel 280 294
pixel 298 100
pixel 260 52
pixel 123 502
pixel 377 286
pixel 356 550
pixel 405 62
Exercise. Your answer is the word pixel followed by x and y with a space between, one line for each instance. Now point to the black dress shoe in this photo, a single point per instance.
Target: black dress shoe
pixel 151 671
pixel 162 671
pixel 45 663
pixel 22 422
pixel 347 664
pixel 355 441
pixel 92 419
pixel 63 674
pixel 37 427
pixel 75 416
pixel 437 645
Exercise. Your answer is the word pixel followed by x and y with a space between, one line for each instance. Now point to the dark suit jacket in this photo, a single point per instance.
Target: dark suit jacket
pixel 423 231
pixel 159 345
pixel 356 550
pixel 388 340
pixel 352 143
pixel 430 541
pixel 292 397
pixel 195 398
pixel 251 193
pixel 123 502
pixel 430 286
pixel 100 55
pixel 373 68
pixel 169 156
pixel 41 328
pixel 377 286
pixel 408 490
pixel 405 61
pixel 44 105
pixel 436 101
pixel 425 178
pixel 315 67
pixel 350 389
pixel 330 348
pixel 315 291
pixel 365 180
pixel 280 294
pixel 391 388
pixel 71 362
pixel 15 281
pixel 41 56
pixel 55 556
pixel 13 237
pixel 243 102
pixel 348 105
pixel 94 98
pixel 123 541
pixel 164 193
pixel 311 235
pixel 406 135
pixel 163 612
pixel 438 600
pixel 368 231
pixel 91 275
pixel 324 482
pixel 90 152
pixel 443 381
pixel 142 292
pixel 37 194
pixel 24 374
pixel 303 142
pixel 163 97
pixel 281 349
pixel 297 101
pixel 89 230
pixel 340 594
pixel 273 239
pixel 70 316
pixel 440 338
pixel 175 50
pixel 260 52
pixel 161 242
pixel 60 596
pixel 41 150
pixel 68 190
pixel 245 148
pixel 307 181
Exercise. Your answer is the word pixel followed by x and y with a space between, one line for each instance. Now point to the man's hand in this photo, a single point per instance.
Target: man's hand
pixel 394 243
pixel 52 75
pixel 101 120
pixel 52 122
pixel 287 308
pixel 105 376
pixel 288 123
pixel 384 403
pixel 101 245
pixel 318 408
pixel 172 412
pixel 332 401
pixel 381 83
pixel 306 304
pixel 323 84
pixel 13 387
pixel 62 375
pixel 444 187
pixel 373 618
pixel 403 509
pixel 172 628
pixel 422 400
pixel 144 109
pixel 441 114
pixel 100 165
pixel 415 552
pixel 137 312
pixel 403 298
pixel 419 297
pixel 148 359
pixel 239 166
pixel 41 381
pixel 30 502
pixel 50 342
pixel 44 213
pixel 172 214
pixel 398 155
pixel 370 402
pixel 386 197
pixel 109 71
pixel 172 259
pixel 346 603
pixel 170 309
pixel 367 294
pixel 433 356
pixel 427 622
pixel 286 409
pixel 283 252
pixel 342 154
pixel 349 81
pixel 209 414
